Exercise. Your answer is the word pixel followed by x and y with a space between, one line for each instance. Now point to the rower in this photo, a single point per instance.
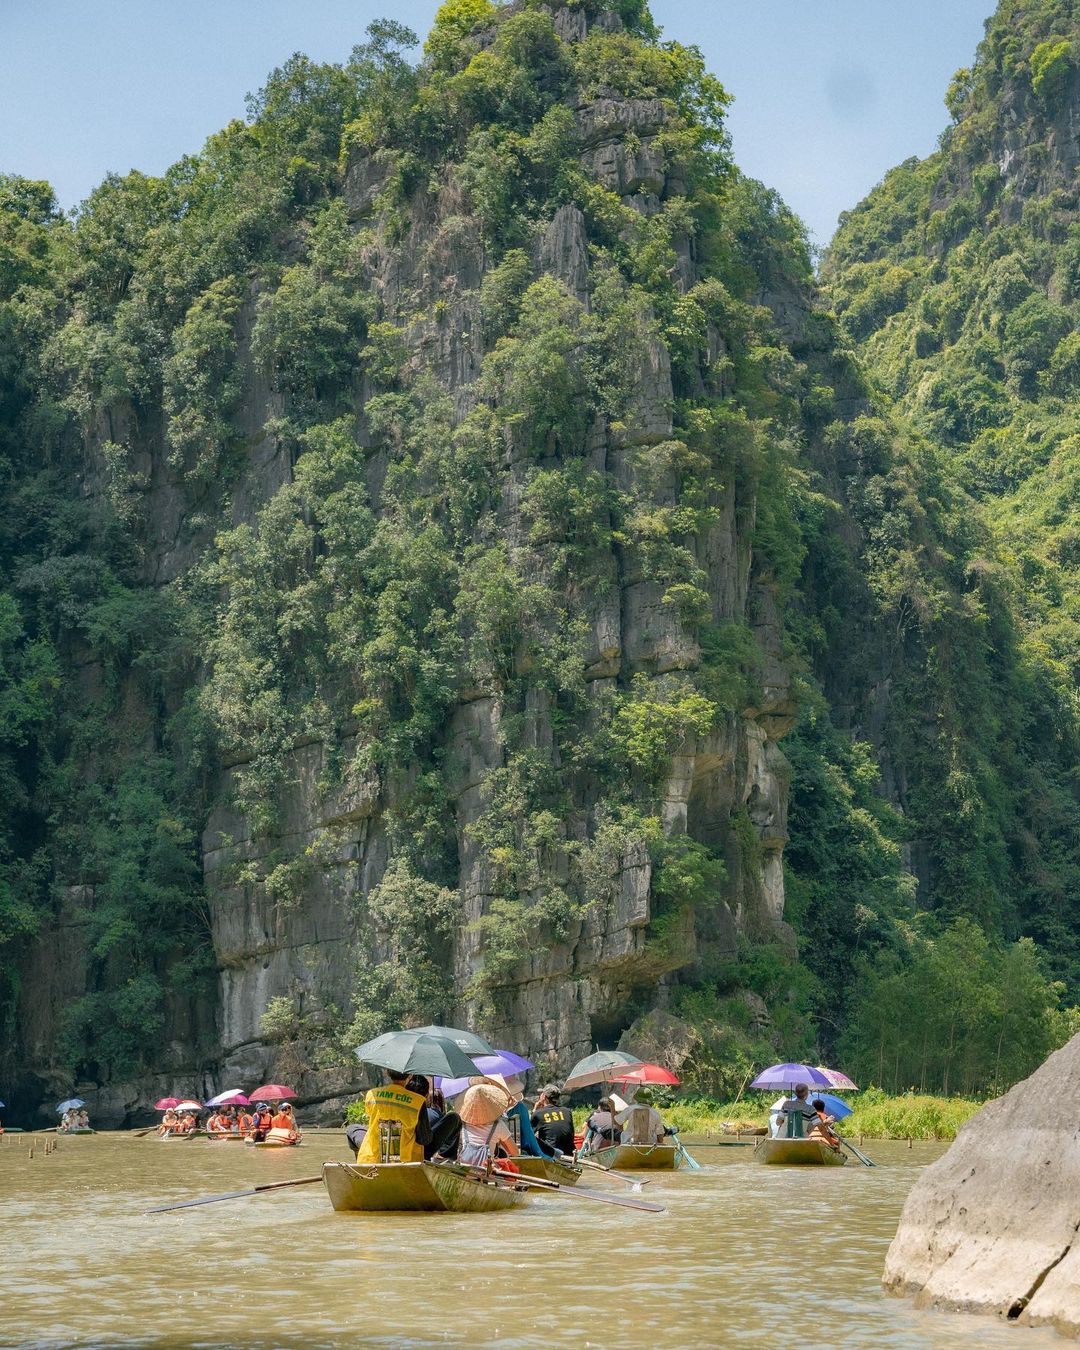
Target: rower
pixel 395 1101
pixel 641 1123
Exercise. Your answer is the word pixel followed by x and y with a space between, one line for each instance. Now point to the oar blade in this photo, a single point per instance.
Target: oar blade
pixel 583 1193
pixel 236 1195
pixel 603 1198
pixel 204 1200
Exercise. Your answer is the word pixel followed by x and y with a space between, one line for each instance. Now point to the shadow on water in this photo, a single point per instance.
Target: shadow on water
pixel 744 1255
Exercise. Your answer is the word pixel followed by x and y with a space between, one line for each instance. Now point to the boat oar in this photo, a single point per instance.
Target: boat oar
pixel 866 1162
pixel 633 1182
pixel 680 1147
pixel 576 1192
pixel 235 1195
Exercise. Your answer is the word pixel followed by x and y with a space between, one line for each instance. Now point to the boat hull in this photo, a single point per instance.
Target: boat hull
pixel 403 1187
pixel 798 1153
pixel 640 1157
pixel 548 1169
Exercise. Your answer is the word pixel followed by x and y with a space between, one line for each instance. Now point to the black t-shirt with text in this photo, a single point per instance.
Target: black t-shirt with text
pixel 554 1126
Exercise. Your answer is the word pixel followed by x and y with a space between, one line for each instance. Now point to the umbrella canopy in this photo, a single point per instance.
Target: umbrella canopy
pixel 646 1073
pixel 417 1052
pixel 234 1097
pixel 835 1106
pixel 602 1067
pixel 167 1104
pixel 2 1106
pixel 72 1104
pixel 484 1102
pixel 468 1041
pixel 272 1092
pixel 189 1106
pixel 778 1076
pixel 503 1062
pixel 839 1082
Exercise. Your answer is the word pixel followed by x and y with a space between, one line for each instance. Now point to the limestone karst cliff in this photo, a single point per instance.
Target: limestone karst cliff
pixel 436 506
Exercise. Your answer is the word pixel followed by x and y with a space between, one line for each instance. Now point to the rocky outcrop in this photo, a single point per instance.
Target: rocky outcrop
pixel 994 1225
pixel 287 906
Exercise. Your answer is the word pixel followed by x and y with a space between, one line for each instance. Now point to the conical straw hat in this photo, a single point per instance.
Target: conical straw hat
pixel 484 1102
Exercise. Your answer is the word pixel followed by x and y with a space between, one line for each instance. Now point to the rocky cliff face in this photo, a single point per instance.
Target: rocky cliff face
pixel 992 1226
pixel 589 957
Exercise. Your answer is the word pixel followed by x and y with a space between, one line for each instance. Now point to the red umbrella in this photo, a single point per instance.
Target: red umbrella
pixel 647 1073
pixel 271 1092
pixel 167 1103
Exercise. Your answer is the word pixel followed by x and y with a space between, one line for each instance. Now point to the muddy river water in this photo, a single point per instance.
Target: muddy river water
pixel 744 1255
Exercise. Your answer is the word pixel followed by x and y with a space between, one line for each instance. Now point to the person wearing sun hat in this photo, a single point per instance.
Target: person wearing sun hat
pixel 483 1130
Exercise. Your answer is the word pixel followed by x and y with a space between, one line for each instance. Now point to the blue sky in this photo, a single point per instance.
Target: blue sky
pixel 829 93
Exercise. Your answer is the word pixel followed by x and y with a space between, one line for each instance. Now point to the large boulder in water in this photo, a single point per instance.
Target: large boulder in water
pixel 994 1225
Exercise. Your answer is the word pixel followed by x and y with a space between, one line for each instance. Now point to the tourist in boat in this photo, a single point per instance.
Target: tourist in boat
pixel 552 1122
pixel 285 1120
pixel 641 1123
pixel 244 1124
pixel 261 1122
pixel 600 1128
pixel 82 1121
pixel 168 1123
pixel 442 1134
pixel 484 1131
pixel 798 1105
pixel 394 1102
pixel 219 1122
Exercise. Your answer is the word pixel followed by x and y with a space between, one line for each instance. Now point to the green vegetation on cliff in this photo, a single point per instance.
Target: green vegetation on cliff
pixel 473 421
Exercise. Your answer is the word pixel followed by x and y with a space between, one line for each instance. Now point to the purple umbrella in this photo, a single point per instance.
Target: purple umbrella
pixel 502 1061
pixel 780 1077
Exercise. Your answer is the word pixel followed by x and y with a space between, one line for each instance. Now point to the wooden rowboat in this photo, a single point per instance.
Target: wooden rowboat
pixel 77 1129
pixel 437 1187
pixel 226 1138
pixel 799 1153
pixel 548 1169
pixel 640 1157
pixel 275 1139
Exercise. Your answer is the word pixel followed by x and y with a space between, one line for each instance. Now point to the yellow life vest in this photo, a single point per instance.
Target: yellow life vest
pixel 392 1103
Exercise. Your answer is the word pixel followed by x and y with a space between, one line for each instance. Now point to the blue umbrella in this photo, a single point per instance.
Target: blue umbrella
pixel 72 1104
pixel 836 1106
pixel 786 1077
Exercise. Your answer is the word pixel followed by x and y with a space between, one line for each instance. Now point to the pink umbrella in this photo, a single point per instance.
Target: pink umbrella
pixel 166 1103
pixel 646 1073
pixel 271 1092
pixel 837 1080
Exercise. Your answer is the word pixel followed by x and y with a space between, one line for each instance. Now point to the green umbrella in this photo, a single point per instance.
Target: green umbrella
pixel 602 1067
pixel 417 1052
pixel 468 1041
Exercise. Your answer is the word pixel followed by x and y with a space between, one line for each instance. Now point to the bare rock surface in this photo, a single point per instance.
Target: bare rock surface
pixel 994 1225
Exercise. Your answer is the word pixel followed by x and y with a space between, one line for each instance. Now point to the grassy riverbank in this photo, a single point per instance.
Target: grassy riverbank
pixel 877 1115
